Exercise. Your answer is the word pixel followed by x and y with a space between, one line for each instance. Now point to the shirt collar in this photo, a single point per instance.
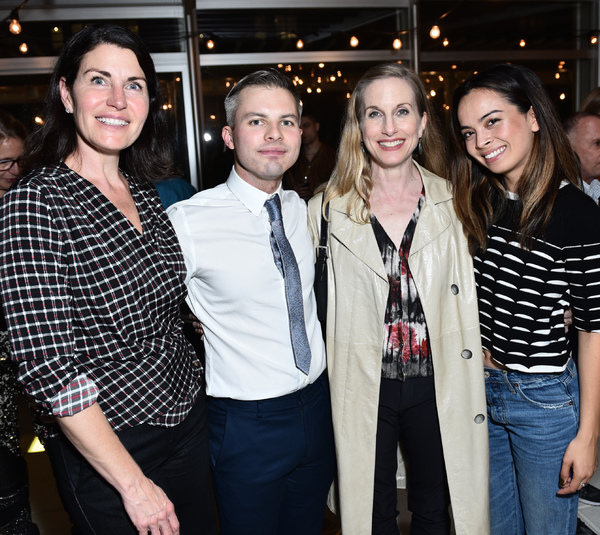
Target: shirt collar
pixel 251 197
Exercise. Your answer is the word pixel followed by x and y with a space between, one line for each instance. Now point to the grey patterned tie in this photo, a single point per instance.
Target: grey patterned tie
pixel 288 267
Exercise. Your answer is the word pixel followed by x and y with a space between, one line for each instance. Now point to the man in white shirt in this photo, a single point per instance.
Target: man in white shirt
pixel 583 130
pixel 271 440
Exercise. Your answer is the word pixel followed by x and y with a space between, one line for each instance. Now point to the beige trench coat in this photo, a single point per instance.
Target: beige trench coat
pixel 358 290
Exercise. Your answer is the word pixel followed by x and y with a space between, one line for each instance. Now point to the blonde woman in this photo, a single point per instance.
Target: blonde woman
pixel 403 340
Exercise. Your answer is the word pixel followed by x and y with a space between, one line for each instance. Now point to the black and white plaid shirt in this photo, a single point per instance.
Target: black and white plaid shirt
pixel 92 306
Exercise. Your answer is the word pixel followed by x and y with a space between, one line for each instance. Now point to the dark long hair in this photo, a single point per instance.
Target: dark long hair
pixel 479 194
pixel 149 157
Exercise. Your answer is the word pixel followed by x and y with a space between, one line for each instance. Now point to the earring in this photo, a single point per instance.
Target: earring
pixel 419 149
pixel 68 110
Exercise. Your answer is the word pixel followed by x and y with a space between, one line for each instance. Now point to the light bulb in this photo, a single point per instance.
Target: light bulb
pixel 354 41
pixel 299 44
pixel 14 26
pixel 397 44
pixel 434 33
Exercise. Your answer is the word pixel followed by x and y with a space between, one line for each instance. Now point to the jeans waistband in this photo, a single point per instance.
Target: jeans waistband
pixel 282 402
pixel 524 376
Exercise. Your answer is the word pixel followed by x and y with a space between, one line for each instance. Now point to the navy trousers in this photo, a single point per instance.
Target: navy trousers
pixel 175 458
pixel 272 462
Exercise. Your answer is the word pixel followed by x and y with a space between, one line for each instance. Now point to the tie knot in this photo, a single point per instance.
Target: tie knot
pixel 273 206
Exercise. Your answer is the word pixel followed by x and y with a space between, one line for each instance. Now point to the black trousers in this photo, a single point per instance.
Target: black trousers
pixel 174 458
pixel 408 414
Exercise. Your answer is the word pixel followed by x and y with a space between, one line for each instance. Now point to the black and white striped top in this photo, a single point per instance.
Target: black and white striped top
pixel 523 294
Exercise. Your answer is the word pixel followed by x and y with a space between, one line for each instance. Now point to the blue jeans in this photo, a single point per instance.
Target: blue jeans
pixel 532 419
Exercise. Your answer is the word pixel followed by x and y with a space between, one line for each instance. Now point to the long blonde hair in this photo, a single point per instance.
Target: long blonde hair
pixel 352 173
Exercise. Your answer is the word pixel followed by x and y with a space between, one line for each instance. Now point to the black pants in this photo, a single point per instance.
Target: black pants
pixel 407 413
pixel 174 458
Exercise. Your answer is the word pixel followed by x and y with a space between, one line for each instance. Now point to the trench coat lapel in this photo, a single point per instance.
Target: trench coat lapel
pixel 432 221
pixel 358 239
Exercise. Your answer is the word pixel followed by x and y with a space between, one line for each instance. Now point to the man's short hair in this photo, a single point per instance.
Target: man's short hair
pixel 572 121
pixel 270 79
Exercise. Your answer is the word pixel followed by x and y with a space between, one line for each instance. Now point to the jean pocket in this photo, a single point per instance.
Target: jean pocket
pixel 547 393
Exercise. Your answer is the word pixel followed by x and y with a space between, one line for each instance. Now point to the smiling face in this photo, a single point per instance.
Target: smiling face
pixel 11 148
pixel 109 100
pixel 390 124
pixel 497 134
pixel 266 137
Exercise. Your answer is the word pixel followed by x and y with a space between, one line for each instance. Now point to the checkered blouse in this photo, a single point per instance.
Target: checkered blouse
pixel 92 305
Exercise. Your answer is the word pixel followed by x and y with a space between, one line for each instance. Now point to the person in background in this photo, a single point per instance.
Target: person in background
pixel 591 103
pixel 250 275
pixel 315 162
pixel 402 331
pixel 15 512
pixel 583 131
pixel 91 278
pixel 535 238
pixel 173 190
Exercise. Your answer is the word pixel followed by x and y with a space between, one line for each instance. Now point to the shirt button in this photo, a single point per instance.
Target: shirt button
pixel 454 289
pixel 479 419
pixel 466 354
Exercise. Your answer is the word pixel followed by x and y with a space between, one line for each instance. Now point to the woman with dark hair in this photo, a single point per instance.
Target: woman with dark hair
pixel 402 324
pixel 535 238
pixel 92 277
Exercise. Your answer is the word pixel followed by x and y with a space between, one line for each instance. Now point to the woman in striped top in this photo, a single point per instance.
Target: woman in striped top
pixel 535 238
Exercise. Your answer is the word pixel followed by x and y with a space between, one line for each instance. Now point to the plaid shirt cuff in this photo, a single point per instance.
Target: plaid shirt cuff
pixel 76 396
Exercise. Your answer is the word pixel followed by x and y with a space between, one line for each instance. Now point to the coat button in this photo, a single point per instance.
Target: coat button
pixel 479 419
pixel 454 289
pixel 196 363
pixel 466 354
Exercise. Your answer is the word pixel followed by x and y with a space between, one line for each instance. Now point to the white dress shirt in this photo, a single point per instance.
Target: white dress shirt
pixel 592 189
pixel 237 292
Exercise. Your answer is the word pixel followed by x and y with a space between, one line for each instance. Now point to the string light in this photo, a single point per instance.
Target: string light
pixel 434 33
pixel 23 48
pixel 397 44
pixel 594 39
pixel 445 42
pixel 299 44
pixel 14 26
pixel 562 96
pixel 210 44
pixel 522 43
pixel 353 41
pixel 557 75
